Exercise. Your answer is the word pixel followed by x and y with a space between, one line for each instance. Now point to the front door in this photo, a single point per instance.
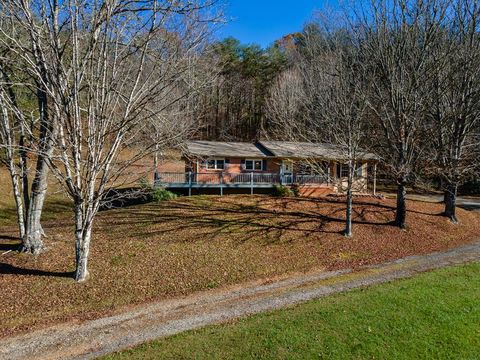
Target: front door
pixel 287 169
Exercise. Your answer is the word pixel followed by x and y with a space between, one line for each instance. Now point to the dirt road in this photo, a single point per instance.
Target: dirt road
pixel 94 338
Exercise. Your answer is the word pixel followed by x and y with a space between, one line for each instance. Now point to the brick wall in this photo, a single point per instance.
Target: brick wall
pixel 235 166
pixel 273 167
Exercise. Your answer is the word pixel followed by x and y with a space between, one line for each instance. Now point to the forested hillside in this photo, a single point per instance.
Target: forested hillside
pixel 234 106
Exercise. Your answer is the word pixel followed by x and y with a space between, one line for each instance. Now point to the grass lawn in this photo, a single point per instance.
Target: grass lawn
pixel 155 251
pixel 434 315
pixel 56 202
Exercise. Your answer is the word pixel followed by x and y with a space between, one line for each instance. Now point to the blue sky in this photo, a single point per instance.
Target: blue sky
pixel 264 21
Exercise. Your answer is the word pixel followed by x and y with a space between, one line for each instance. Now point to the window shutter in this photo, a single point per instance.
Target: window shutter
pixel 227 163
pixel 264 165
pixel 339 170
pixel 242 164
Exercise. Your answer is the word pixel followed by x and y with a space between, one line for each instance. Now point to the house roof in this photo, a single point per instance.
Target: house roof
pixel 289 149
pixel 263 149
pixel 226 149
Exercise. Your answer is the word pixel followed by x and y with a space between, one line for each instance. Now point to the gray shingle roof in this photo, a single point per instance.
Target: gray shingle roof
pixel 289 149
pixel 226 149
pixel 282 149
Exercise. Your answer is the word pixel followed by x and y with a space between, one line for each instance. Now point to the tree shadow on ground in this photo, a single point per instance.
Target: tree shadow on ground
pixel 9 237
pixel 124 197
pixel 12 243
pixel 9 247
pixel 8 269
pixel 216 217
pixel 470 207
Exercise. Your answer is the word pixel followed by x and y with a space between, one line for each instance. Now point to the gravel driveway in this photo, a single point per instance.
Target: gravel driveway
pixel 471 203
pixel 98 337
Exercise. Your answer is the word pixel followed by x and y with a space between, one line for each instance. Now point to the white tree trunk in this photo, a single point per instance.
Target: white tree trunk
pixel 82 250
pixel 32 240
pixel 17 194
pixel 83 232
pixel 7 140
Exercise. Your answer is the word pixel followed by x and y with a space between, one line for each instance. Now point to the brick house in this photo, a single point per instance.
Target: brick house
pixel 316 168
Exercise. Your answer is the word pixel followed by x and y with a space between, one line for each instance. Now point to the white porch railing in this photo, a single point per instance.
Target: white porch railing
pixel 244 178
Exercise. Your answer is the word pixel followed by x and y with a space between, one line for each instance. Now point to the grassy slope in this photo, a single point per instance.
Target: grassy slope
pixel 56 204
pixel 434 315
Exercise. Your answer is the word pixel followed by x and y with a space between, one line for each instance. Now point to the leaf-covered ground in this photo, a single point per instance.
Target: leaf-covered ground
pixel 154 251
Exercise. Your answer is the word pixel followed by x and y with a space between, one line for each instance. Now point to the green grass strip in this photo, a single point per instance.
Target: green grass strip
pixel 434 315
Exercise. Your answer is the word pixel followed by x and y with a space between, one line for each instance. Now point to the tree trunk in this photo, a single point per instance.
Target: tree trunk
pixel 348 214
pixel 451 202
pixel 155 166
pixel 7 139
pixel 19 177
pixel 83 233
pixel 348 221
pixel 17 194
pixel 401 211
pixel 32 241
pixel 24 169
pixel 82 250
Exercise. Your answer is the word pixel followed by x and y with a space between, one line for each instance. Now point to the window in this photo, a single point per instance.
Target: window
pixel 211 164
pixel 215 164
pixel 314 168
pixel 253 164
pixel 342 170
pixel 287 166
pixel 304 168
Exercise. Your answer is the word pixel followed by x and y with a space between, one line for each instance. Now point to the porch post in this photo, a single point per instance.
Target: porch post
pixel 281 172
pixel 374 179
pixel 221 183
pixel 251 183
pixel 189 183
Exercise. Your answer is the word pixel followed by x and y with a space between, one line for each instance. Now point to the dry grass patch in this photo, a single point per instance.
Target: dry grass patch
pixel 174 248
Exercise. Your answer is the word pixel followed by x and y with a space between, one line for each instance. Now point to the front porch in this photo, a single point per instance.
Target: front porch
pixel 228 180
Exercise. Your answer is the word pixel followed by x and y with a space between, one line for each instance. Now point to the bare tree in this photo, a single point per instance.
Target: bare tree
pixel 344 108
pixel 285 101
pixel 454 107
pixel 396 38
pixel 20 124
pixel 323 100
pixel 180 120
pixel 110 67
pixel 14 158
